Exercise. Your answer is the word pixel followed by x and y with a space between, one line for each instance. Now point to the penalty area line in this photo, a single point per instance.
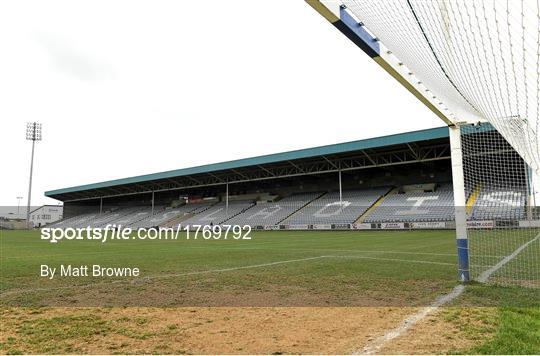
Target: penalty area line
pixel 219 270
pixel 161 276
pixel 484 276
pixel 376 345
pixel 392 260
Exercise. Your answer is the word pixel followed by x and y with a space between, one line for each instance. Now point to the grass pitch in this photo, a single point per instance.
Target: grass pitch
pixel 370 270
pixel 272 269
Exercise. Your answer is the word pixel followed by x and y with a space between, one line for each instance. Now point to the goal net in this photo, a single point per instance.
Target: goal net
pixel 502 229
pixel 478 61
pixel 480 58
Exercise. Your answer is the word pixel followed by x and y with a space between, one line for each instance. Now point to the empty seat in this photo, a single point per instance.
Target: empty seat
pixel 273 213
pixel 329 210
pixel 415 207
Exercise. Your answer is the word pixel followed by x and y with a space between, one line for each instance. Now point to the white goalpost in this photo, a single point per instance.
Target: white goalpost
pixel 476 65
pixel 458 179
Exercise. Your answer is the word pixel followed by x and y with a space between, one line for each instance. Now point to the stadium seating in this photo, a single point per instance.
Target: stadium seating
pixel 273 213
pixel 407 205
pixel 102 220
pixel 162 215
pixel 219 213
pixel 133 217
pixel 136 215
pixel 74 220
pixel 415 206
pixel 328 210
pixel 64 221
pixel 499 204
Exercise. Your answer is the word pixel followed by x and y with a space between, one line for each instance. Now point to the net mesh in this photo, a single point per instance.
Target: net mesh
pixel 504 247
pixel 480 58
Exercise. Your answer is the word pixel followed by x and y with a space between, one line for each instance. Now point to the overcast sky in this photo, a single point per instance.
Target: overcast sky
pixel 126 88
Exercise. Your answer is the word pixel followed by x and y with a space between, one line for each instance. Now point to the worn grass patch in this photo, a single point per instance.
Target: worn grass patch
pixel 44 330
pixel 297 268
pixel 211 301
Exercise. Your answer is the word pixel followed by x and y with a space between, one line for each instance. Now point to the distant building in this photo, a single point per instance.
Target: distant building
pixel 46 214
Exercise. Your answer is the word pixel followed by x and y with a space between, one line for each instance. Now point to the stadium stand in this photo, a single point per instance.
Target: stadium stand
pixel 499 204
pixel 165 214
pixel 307 179
pixel 273 213
pixel 415 206
pixel 74 221
pixel 109 218
pixel 490 203
pixel 135 216
pixel 219 213
pixel 328 210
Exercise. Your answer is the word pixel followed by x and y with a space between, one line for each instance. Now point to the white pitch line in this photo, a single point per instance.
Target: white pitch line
pixel 491 271
pixel 395 260
pixel 163 276
pixel 484 276
pixel 411 320
pixel 245 249
pixel 343 250
pixel 193 273
pixel 234 268
pixel 377 344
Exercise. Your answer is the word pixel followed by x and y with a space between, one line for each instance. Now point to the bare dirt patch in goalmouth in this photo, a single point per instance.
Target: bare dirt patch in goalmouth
pixel 198 330
pixel 220 330
pixel 446 331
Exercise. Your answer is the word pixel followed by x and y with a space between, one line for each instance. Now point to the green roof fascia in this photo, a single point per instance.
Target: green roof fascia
pixel 396 139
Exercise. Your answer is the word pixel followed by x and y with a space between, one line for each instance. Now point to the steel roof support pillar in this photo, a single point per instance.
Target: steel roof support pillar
pixel 227 198
pixel 340 191
pixel 152 202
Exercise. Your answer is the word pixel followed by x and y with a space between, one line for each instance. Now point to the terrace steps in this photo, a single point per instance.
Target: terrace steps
pixel 472 198
pixel 302 207
pixel 240 212
pixel 374 205
pixel 177 220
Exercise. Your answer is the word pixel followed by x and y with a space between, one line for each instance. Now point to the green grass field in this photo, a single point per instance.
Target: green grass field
pixel 273 269
pixel 318 268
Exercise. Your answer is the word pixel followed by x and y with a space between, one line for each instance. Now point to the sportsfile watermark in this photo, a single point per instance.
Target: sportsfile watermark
pixel 113 232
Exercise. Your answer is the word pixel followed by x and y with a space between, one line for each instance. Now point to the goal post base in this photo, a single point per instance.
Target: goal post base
pixel 463 260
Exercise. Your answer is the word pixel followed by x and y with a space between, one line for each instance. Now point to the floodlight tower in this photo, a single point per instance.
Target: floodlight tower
pixel 33 133
pixel 18 204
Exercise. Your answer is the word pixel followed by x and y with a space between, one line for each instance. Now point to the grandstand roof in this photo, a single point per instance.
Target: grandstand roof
pixel 386 150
